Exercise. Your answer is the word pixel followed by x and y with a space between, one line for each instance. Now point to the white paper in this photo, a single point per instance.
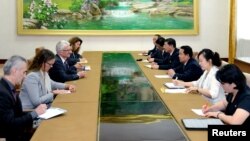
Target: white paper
pixel 148 66
pixel 171 85
pixel 143 54
pixel 83 62
pixel 67 92
pixel 175 91
pixel 87 68
pixel 162 76
pixel 198 112
pixel 145 61
pixel 52 112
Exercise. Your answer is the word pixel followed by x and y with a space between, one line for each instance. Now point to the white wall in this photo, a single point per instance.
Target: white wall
pixel 213 34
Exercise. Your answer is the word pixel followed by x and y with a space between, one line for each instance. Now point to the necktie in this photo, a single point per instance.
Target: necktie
pixel 66 65
pixel 14 92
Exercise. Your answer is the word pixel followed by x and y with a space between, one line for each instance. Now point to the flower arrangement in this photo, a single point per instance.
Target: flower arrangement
pixel 45 13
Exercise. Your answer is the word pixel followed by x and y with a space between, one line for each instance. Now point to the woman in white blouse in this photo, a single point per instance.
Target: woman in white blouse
pixel 37 88
pixel 206 85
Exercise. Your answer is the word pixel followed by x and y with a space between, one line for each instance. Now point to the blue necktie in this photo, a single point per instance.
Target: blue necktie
pixel 66 64
pixel 14 92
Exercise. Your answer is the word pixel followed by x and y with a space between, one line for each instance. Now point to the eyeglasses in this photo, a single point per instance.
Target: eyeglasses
pixel 51 65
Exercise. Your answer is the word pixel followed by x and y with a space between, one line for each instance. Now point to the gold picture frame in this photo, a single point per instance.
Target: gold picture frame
pixel 25 26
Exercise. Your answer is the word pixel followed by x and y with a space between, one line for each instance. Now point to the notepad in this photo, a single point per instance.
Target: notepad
pixel 198 112
pixel 67 92
pixel 162 76
pixel 148 66
pixel 173 86
pixel 145 61
pixel 200 123
pixel 83 62
pixel 52 112
pixel 143 54
pixel 175 91
pixel 86 68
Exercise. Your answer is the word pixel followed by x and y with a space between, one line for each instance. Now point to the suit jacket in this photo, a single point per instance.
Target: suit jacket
pixel 13 121
pixel 60 73
pixel 171 62
pixel 152 51
pixel 159 56
pixel 34 91
pixel 74 58
pixel 189 72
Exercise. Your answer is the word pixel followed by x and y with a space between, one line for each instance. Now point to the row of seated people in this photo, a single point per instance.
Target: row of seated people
pixel 180 64
pixel 223 86
pixel 46 74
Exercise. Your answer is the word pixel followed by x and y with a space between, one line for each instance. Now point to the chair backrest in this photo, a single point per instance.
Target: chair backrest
pixel 195 56
pixel 247 78
pixel 223 63
pixel 37 50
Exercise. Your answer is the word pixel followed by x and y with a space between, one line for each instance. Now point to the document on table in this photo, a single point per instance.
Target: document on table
pixel 175 91
pixel 87 68
pixel 198 112
pixel 173 86
pixel 145 61
pixel 143 54
pixel 52 112
pixel 200 123
pixel 83 62
pixel 162 76
pixel 63 91
pixel 148 66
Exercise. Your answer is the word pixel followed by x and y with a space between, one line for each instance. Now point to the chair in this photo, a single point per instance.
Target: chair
pixel 223 63
pixel 37 50
pixel 247 75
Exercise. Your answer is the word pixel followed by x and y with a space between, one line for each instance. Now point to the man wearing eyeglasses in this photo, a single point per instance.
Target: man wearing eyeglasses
pixel 61 71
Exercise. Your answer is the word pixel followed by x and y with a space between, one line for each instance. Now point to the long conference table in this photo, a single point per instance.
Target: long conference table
pixel 80 122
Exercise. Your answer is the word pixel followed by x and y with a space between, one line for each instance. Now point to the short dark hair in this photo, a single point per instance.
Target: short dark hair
pixel 230 73
pixel 171 41
pixel 160 41
pixel 187 50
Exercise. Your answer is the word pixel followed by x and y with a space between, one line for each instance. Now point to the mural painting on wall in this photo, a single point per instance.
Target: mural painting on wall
pixel 104 17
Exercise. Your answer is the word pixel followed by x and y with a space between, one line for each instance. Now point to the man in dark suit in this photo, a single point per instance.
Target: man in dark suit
pixel 189 70
pixel 61 70
pixel 172 60
pixel 159 55
pixel 13 121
